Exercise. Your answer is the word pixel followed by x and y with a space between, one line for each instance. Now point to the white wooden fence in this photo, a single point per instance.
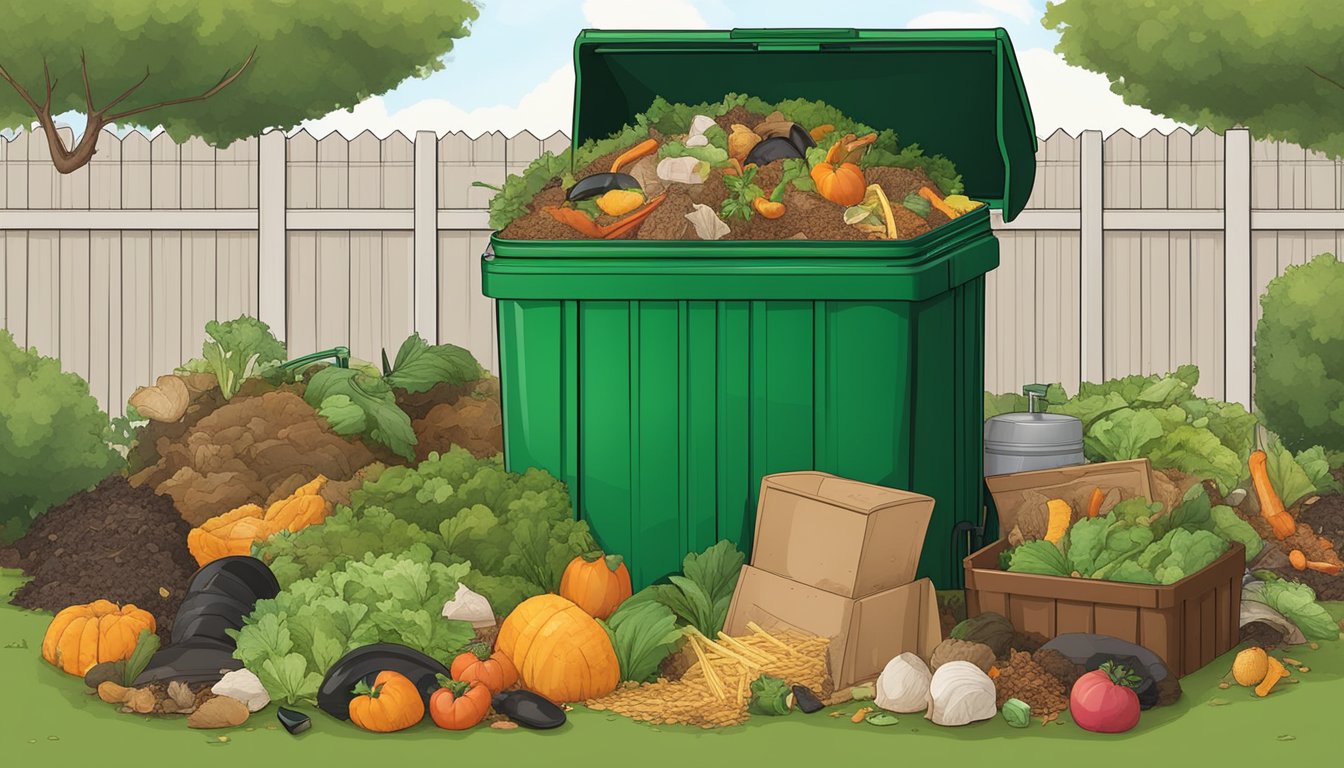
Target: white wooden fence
pixel 1135 255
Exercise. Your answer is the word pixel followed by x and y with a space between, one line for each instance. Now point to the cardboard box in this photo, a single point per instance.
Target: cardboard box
pixel 849 538
pixel 1073 484
pixel 865 633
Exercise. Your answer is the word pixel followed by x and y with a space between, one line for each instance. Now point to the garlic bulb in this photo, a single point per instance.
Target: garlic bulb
pixel 960 693
pixel 903 685
pixel 469 606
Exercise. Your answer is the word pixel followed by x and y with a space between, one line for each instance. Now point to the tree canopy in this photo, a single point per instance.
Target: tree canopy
pixel 220 71
pixel 1273 66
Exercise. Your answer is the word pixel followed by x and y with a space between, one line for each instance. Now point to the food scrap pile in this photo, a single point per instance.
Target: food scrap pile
pixel 739 169
pixel 716 691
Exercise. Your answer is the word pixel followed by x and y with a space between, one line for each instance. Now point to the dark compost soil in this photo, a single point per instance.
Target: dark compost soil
pixel 1326 518
pixel 123 544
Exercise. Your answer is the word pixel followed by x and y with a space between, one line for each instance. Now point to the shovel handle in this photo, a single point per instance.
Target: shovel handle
pixel 341 354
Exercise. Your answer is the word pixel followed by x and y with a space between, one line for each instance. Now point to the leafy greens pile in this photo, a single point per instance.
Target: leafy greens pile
pixel 290 641
pixel 516 195
pixel 235 351
pixel 1136 542
pixel 513 533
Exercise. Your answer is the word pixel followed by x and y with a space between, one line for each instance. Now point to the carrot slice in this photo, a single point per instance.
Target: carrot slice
pixel 937 202
pixel 1094 503
pixel 641 149
pixel 618 228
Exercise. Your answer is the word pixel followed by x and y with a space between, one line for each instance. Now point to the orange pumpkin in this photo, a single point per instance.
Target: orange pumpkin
pixel 459 705
pixel 84 635
pixel 477 664
pixel 559 651
pixel 839 178
pixel 234 532
pixel 392 704
pixel 596 583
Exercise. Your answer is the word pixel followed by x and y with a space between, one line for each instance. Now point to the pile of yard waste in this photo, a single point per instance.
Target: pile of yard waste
pixel 738 169
pixel 237 426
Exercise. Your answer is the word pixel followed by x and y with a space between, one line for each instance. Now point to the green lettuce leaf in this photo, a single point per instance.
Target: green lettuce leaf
pixel 643 635
pixel 1189 553
pixel 1197 452
pixel 1316 465
pixel 1191 514
pixel 385 423
pixel 345 417
pixel 1132 572
pixel 287 679
pixel 1230 527
pixel 1122 435
pixel 1297 602
pixel 1288 477
pixel 419 366
pixel 702 595
pixel 707 153
pixel 1040 557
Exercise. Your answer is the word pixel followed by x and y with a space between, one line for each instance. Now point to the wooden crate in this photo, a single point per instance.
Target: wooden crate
pixel 1188 624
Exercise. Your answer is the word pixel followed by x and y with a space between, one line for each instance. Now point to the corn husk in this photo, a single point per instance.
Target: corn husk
pixel 683 170
pixel 873 214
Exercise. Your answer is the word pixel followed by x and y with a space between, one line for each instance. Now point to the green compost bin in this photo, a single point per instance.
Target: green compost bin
pixel 662 379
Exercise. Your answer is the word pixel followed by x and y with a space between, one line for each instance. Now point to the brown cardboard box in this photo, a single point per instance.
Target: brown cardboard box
pixel 865 634
pixel 1073 484
pixel 849 538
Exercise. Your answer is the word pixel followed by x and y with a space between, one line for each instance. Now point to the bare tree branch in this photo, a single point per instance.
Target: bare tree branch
pixel 88 90
pixel 1329 80
pixel 46 75
pixel 125 93
pixel 223 83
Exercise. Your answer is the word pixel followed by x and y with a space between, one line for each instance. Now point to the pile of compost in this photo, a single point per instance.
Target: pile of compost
pixel 738 170
pixel 115 542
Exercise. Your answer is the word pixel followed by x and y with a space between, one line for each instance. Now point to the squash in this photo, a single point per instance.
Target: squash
pixel 1274 672
pixel 559 651
pixel 81 636
pixel 1250 666
pixel 459 705
pixel 1061 514
pixel 234 532
pixel 391 704
pixel 477 664
pixel 839 178
pixel 597 583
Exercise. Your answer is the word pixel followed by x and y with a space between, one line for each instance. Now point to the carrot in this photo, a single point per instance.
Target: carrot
pixel 1271 506
pixel 1094 503
pixel 645 147
pixel 937 202
pixel 1300 562
pixel 580 221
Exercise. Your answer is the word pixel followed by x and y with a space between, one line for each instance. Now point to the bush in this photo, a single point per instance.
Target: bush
pixel 53 437
pixel 1299 356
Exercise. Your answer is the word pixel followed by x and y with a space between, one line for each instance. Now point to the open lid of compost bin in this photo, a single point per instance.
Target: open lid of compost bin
pixel 955 92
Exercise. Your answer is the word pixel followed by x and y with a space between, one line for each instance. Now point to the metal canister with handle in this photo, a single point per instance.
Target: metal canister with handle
pixel 1022 442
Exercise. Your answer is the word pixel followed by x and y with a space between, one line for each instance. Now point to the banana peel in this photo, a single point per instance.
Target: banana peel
pixel 873 214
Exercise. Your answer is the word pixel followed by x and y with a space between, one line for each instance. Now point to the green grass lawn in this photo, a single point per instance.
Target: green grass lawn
pixel 49 719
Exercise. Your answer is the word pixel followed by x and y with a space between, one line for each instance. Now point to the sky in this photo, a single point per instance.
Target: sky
pixel 515 73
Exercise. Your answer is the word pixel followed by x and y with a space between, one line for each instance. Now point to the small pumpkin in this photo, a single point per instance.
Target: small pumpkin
pixel 597 583
pixel 234 532
pixel 392 703
pixel 477 664
pixel 82 636
pixel 559 651
pixel 839 178
pixel 458 704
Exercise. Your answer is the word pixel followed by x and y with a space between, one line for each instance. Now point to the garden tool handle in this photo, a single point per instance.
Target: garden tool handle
pixel 342 355
pixel 1034 392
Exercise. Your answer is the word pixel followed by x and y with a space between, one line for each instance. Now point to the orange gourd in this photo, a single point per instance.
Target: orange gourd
pixel 1271 506
pixel 459 705
pixel 559 651
pixel 84 635
pixel 392 704
pixel 839 178
pixel 234 532
pixel 477 664
pixel 597 583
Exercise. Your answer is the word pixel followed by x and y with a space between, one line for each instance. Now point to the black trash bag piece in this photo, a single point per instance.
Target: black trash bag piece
pixel 599 184
pixel 241 577
pixel 214 602
pixel 364 663
pixel 768 151
pixel 528 709
pixel 801 139
pixel 199 660
pixel 806 700
pixel 206 622
pixel 294 722
pixel 1091 651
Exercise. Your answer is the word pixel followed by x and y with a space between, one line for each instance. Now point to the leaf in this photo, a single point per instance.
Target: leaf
pixel 1190 552
pixel 1130 571
pixel 643 635
pixel 1286 475
pixel 1039 557
pixel 1316 465
pixel 1122 435
pixel 716 569
pixel 1297 602
pixel 1197 452
pixel 384 421
pixel 1230 527
pixel 1192 514
pixel 287 679
pixel 419 366
pixel 1009 402
pixel 343 415
pixel 146 645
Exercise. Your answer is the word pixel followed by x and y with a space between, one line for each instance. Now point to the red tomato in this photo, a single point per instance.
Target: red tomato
pixel 1104 701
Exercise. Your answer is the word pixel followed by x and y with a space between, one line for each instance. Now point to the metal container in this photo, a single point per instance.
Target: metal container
pixel 1023 442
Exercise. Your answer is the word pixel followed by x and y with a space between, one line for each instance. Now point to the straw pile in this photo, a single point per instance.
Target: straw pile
pixel 715 691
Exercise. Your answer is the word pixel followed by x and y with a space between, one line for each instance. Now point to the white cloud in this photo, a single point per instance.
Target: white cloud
pixel 1022 10
pixel 643 14
pixel 955 20
pixel 543 111
pixel 1075 99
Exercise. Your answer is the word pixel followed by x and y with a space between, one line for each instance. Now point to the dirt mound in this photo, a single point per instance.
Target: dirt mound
pixel 1023 679
pixel 1326 518
pixel 244 451
pixel 115 542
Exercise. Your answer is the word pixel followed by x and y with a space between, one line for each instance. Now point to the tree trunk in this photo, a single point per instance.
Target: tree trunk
pixel 71 160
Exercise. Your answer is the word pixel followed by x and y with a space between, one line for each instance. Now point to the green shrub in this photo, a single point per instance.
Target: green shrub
pixel 53 437
pixel 1299 356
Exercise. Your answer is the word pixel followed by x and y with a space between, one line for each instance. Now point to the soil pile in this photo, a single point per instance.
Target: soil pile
pixel 1325 518
pixel 1023 679
pixel 473 421
pixel 115 542
pixel 242 452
